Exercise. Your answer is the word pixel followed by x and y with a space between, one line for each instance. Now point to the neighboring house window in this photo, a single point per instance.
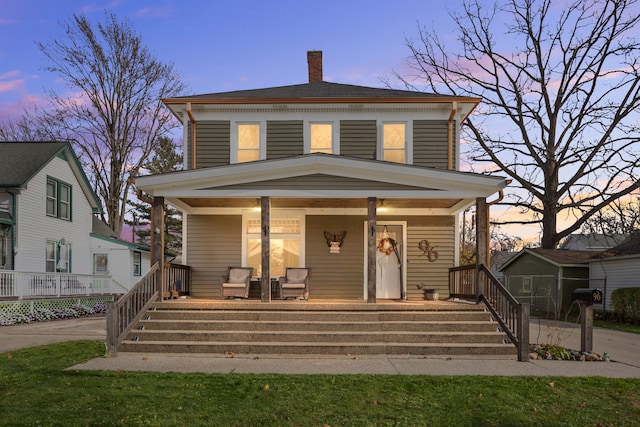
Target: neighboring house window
pixel 248 142
pixel 5 247
pixel 101 263
pixel 526 285
pixel 57 256
pixel 137 264
pixel 286 244
pixel 58 199
pixel 394 145
pixel 321 138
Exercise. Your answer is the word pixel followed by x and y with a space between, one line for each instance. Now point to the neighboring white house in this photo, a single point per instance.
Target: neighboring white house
pixel 125 262
pixel 592 242
pixel 46 209
pixel 618 267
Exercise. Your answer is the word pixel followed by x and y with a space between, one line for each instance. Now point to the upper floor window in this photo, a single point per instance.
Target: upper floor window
pixel 58 199
pixel 394 145
pixel 248 142
pixel 321 138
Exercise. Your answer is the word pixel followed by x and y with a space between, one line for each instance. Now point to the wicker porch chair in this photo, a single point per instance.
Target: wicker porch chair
pixel 236 284
pixel 295 283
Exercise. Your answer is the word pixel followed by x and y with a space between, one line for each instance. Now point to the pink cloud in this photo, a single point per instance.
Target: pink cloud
pixel 11 85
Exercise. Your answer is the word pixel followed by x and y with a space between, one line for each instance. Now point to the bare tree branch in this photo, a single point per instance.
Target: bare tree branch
pixel 561 99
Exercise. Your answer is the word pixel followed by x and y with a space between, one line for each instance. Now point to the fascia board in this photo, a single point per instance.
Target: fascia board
pixel 312 164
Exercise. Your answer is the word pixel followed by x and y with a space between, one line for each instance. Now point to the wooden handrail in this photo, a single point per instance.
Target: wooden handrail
pixel 124 313
pixel 512 315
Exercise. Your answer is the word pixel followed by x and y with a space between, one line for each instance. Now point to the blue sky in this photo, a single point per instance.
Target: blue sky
pixel 224 45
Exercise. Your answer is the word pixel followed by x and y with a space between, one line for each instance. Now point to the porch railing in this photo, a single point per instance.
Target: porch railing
pixel 176 279
pixel 28 285
pixel 512 315
pixel 124 313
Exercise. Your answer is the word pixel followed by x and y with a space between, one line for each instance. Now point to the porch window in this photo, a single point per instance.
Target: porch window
pixel 321 138
pixel 248 142
pixel 286 245
pixel 57 256
pixel 58 199
pixel 394 142
pixel 101 263
pixel 5 247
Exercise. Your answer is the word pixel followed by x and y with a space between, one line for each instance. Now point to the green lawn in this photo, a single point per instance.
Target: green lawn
pixel 625 327
pixel 36 390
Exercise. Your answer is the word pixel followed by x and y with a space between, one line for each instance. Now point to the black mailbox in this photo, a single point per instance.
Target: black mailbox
pixel 588 296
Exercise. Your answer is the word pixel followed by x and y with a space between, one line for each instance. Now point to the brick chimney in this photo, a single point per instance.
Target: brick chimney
pixel 314 60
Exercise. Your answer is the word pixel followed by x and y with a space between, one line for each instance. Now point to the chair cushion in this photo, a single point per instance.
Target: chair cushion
pixel 297 275
pixel 238 275
pixel 293 286
pixel 233 285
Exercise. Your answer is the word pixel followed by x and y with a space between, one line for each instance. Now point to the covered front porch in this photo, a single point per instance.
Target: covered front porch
pixel 367 229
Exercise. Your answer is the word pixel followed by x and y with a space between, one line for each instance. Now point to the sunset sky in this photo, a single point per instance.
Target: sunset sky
pixel 222 45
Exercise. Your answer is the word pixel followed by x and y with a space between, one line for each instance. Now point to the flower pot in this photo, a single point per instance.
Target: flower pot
pixel 431 294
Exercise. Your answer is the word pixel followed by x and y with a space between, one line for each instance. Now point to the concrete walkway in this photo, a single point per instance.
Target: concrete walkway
pixel 623 349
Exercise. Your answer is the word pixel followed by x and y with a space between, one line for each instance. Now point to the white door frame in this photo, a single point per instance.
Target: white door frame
pixel 403 290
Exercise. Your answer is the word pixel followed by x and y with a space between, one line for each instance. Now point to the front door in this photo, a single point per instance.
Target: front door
pixel 390 274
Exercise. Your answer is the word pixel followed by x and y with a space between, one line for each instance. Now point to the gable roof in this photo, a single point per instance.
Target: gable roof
pixel 592 241
pixel 21 161
pixel 102 231
pixel 557 257
pixel 334 177
pixel 630 246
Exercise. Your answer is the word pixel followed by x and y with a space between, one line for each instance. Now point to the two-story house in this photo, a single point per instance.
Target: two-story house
pixel 272 176
pixel 46 209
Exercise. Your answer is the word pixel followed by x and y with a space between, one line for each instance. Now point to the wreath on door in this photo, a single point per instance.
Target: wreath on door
pixel 387 245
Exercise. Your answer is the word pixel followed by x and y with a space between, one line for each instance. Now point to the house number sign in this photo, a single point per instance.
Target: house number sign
pixel 428 250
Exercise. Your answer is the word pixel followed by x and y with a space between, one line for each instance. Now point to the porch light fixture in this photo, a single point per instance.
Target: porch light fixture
pixel 334 241
pixel 382 207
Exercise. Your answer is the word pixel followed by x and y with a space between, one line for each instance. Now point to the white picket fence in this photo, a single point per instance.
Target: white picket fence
pixel 26 285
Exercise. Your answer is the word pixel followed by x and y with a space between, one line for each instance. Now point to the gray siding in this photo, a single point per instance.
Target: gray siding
pixel 335 275
pixel 214 244
pixel 358 138
pixel 430 146
pixel 439 232
pixel 284 139
pixel 214 140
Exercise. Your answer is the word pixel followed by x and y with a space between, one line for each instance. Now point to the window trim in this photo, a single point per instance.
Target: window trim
pixel 56 256
pixel 262 139
pixel 527 282
pixel 137 262
pixel 408 140
pixel 275 214
pixel 335 135
pixel 57 199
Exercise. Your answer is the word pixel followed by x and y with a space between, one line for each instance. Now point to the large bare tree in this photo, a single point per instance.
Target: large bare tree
pixel 560 85
pixel 114 114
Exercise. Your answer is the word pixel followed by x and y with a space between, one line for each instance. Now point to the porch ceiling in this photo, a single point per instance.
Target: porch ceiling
pixel 321 203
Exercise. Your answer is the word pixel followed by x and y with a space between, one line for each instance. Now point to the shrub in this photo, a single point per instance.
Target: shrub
pixel 626 305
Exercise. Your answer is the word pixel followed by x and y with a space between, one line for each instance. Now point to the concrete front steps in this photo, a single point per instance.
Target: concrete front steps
pixel 311 327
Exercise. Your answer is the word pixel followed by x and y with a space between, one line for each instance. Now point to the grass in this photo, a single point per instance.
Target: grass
pixel 35 389
pixel 624 327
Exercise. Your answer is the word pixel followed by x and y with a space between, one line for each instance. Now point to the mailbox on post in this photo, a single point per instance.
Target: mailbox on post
pixel 587 296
